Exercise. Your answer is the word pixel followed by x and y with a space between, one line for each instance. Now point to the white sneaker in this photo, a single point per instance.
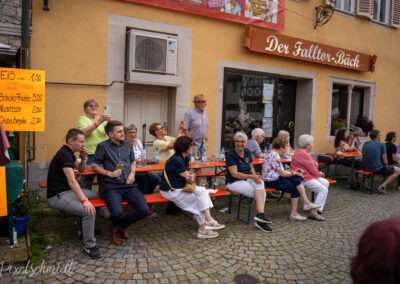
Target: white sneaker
pixel 104 212
pixel 311 206
pixel 214 225
pixel 297 217
pixel 206 234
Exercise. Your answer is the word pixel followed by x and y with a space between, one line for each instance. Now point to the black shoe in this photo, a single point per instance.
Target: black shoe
pixel 93 252
pixel 262 218
pixel 263 227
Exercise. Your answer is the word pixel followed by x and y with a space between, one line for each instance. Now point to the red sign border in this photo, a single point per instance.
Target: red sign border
pixel 203 11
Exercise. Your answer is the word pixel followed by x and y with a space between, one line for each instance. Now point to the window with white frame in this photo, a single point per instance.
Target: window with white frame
pixel 382 11
pixel 350 102
pixel 346 5
pixel 386 12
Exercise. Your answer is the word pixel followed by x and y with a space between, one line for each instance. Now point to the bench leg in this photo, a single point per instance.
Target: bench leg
pixel 282 194
pixel 230 203
pixel 371 185
pixel 249 211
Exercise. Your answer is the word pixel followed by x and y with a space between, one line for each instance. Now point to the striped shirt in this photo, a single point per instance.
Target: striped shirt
pixel 197 124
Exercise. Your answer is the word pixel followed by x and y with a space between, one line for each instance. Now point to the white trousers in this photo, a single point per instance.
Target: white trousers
pixel 320 187
pixel 246 187
pixel 195 202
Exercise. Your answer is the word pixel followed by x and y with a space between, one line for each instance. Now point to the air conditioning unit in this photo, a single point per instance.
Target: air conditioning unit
pixel 151 52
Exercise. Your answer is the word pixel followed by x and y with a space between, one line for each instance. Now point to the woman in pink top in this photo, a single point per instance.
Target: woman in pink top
pixel 313 178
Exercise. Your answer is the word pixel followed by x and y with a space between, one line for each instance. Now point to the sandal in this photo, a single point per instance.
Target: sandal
pixel 316 217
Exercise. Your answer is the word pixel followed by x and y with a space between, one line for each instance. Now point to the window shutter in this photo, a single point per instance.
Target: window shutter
pixel 395 20
pixel 365 8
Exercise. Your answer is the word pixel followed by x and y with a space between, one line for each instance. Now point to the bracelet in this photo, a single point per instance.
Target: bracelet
pixel 106 173
pixel 84 200
pixel 95 124
pixel 292 173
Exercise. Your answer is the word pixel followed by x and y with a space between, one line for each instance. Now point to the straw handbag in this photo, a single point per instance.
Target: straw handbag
pixel 189 186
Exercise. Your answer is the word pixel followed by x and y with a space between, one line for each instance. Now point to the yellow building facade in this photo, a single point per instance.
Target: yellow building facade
pixel 84 47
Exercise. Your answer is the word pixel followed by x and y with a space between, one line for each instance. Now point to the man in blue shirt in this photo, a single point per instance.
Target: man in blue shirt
pixel 115 159
pixel 375 160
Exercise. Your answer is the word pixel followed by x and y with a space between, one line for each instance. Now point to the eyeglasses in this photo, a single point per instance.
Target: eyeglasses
pixel 131 132
pixel 162 127
pixel 240 141
pixel 94 106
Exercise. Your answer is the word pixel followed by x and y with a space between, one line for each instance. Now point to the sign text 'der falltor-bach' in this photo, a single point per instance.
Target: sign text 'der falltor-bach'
pixel 268 42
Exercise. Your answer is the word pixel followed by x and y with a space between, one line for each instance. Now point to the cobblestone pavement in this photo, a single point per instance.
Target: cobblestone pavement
pixel 165 249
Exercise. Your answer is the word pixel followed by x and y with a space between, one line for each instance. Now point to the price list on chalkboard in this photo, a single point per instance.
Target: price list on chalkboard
pixel 22 99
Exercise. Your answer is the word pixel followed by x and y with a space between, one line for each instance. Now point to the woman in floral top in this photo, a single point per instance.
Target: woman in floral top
pixel 291 181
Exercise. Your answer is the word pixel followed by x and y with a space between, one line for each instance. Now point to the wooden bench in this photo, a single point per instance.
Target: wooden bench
pixel 369 175
pixel 98 202
pixel 249 201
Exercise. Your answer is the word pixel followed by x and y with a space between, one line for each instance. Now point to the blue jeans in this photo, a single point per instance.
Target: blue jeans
pixel 114 194
pixel 147 182
pixel 198 150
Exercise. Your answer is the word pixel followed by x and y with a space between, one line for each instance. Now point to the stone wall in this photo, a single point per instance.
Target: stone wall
pixel 10 22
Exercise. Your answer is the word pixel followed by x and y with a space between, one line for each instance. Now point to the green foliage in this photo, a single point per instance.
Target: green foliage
pixel 39 241
pixel 26 203
pixel 365 124
pixel 338 123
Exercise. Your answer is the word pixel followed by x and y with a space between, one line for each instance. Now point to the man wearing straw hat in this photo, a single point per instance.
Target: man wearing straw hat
pixel 196 122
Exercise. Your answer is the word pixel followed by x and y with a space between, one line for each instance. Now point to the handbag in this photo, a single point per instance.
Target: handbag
pixel 189 186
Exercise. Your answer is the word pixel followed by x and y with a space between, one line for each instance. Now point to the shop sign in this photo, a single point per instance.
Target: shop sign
pixel 264 41
pixel 22 99
pixel 262 13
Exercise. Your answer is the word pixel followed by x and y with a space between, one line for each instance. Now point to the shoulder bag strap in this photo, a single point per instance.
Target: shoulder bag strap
pixel 167 180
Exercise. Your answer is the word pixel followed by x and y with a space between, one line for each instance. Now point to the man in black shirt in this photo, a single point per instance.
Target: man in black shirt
pixel 65 193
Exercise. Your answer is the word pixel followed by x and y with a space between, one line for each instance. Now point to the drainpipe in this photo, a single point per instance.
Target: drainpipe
pixel 24 64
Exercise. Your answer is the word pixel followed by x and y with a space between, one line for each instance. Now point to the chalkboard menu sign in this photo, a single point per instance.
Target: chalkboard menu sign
pixel 22 99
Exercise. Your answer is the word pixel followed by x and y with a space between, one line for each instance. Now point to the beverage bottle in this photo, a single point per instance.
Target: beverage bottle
pixel 204 158
pixel 143 158
pixel 222 154
pixel 156 156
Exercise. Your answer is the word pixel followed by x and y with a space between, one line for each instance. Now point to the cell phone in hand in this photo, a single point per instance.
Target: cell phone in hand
pixel 106 109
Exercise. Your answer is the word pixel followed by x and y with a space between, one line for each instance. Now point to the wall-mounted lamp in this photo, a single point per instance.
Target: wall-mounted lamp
pixel 46 5
pixel 324 13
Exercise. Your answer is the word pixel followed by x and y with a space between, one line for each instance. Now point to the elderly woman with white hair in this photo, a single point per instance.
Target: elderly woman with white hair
pixel 257 137
pixel 290 181
pixel 313 178
pixel 242 178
